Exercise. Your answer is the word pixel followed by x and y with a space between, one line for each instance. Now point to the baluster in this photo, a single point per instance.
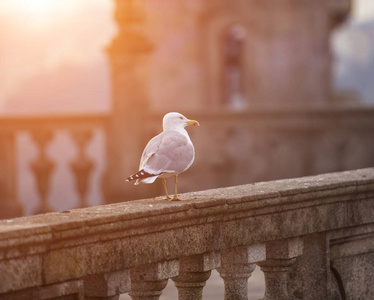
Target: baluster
pixel 42 168
pixel 237 266
pixel 308 277
pixel 82 165
pixel 147 282
pixel 194 271
pixel 129 55
pixel 107 286
pixel 10 207
pixel 280 255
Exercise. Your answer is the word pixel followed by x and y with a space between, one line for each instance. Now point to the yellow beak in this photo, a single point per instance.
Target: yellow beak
pixel 193 122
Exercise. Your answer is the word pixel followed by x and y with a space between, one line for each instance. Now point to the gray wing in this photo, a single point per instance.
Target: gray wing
pixel 168 152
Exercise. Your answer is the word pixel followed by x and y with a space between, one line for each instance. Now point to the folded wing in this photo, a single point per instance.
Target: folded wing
pixel 168 152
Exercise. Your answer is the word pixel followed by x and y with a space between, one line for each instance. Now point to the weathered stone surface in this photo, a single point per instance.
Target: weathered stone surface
pixel 147 290
pixel 66 290
pixel 59 247
pixel 107 285
pixel 280 256
pixel 308 277
pixel 244 255
pixel 147 282
pixel 20 273
pixel 194 271
pixel 190 284
pixel 284 249
pixel 70 290
pixel 123 253
pixel 357 275
pixel 276 273
pixel 200 262
pixel 157 271
pixel 352 255
pixel 237 265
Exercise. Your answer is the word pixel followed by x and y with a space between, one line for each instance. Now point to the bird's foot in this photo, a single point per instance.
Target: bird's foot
pixel 168 198
pixel 176 198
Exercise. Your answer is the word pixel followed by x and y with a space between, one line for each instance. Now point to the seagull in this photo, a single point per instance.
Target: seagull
pixel 167 154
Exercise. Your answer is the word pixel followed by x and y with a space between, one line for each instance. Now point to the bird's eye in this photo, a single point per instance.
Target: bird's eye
pixel 181 118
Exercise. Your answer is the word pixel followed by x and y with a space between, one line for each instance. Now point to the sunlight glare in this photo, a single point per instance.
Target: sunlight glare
pixel 41 14
pixel 363 10
pixel 37 7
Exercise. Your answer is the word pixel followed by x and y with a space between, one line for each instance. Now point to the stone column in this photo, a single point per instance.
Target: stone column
pixel 82 165
pixel 280 255
pixel 304 75
pixel 194 272
pixel 237 266
pixel 308 277
pixel 70 290
pixel 125 136
pixel 43 167
pixel 107 286
pixel 10 207
pixel 147 282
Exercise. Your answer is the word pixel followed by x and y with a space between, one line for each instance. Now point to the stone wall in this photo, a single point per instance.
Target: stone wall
pixel 285 59
pixel 287 125
pixel 297 230
pixel 267 144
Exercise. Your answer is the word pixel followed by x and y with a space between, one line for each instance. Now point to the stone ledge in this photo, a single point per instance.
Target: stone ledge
pixel 265 197
pixel 110 238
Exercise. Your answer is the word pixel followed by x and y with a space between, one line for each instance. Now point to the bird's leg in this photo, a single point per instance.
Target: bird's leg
pixel 166 190
pixel 176 198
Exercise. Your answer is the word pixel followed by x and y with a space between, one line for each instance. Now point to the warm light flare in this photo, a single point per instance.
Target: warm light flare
pixel 49 45
pixel 40 12
pixel 39 7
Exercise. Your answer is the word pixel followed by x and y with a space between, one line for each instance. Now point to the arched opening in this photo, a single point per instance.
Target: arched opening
pixel 233 43
pixel 353 48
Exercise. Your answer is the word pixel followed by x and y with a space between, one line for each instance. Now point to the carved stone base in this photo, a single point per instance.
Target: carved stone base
pixel 275 271
pixel 190 285
pixel 235 278
pixel 147 290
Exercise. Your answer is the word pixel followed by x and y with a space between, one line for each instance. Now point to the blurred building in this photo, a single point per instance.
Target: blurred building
pixel 257 75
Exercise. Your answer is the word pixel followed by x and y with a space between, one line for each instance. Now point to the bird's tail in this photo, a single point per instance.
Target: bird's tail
pixel 142 176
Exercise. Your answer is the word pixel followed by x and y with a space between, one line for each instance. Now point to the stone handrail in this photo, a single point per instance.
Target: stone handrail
pixel 66 122
pixel 291 228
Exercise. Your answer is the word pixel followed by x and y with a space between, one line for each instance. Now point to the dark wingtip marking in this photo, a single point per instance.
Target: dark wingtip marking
pixel 139 175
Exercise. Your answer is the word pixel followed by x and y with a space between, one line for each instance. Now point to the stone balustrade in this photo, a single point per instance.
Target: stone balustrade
pixel 43 130
pixel 260 144
pixel 311 236
pixel 270 143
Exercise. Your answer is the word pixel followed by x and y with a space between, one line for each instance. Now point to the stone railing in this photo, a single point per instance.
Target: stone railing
pixel 260 144
pixel 42 130
pixel 270 143
pixel 312 237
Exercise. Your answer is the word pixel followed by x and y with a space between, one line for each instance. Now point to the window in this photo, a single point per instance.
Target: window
pixel 233 67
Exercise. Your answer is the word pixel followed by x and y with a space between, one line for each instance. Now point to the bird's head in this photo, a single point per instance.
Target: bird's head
pixel 176 120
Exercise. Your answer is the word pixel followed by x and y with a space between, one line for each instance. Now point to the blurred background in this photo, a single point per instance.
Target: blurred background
pixel 259 77
pixel 281 89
